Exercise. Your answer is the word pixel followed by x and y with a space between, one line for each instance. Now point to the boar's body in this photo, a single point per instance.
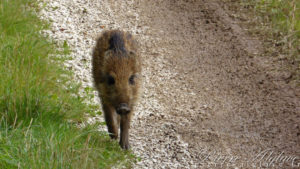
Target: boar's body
pixel 116 72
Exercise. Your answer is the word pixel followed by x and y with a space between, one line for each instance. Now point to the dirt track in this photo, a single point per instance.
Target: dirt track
pixel 208 89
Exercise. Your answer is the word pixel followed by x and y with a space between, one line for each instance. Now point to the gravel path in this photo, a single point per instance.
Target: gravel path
pixel 207 93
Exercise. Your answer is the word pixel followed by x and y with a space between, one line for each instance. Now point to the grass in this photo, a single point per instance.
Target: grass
pixel 38 99
pixel 282 18
pixel 58 145
pixel 277 23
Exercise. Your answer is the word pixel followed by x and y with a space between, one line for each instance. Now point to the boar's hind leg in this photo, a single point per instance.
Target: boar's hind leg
pixel 111 121
pixel 125 125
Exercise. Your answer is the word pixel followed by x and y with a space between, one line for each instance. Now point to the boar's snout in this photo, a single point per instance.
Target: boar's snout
pixel 123 109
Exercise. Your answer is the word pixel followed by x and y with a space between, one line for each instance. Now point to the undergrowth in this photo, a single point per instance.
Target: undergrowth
pixel 281 20
pixel 277 23
pixel 39 99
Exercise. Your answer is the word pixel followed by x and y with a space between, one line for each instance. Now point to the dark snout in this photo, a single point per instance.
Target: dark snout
pixel 123 109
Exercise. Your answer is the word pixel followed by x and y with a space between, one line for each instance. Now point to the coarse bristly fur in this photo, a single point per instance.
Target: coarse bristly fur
pixel 116 71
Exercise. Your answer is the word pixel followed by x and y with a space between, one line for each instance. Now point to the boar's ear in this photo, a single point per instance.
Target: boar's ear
pixel 107 54
pixel 136 58
pixel 132 54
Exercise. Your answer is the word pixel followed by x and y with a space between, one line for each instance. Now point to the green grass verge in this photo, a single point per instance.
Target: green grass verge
pixel 38 97
pixel 277 24
pixel 283 18
pixel 280 24
pixel 57 144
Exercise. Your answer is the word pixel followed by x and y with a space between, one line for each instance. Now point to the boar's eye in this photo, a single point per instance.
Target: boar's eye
pixel 110 80
pixel 131 79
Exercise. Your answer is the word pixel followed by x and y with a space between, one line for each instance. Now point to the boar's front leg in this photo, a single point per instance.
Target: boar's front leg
pixel 125 125
pixel 112 121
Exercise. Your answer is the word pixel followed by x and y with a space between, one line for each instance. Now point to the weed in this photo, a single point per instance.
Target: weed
pixel 38 98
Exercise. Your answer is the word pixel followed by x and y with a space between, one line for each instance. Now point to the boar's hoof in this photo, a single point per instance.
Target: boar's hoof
pixel 125 145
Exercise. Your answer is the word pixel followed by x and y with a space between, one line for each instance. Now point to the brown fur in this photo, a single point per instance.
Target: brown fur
pixel 115 55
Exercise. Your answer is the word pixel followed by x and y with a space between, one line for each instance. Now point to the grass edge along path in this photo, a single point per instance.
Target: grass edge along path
pixel 277 24
pixel 38 99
